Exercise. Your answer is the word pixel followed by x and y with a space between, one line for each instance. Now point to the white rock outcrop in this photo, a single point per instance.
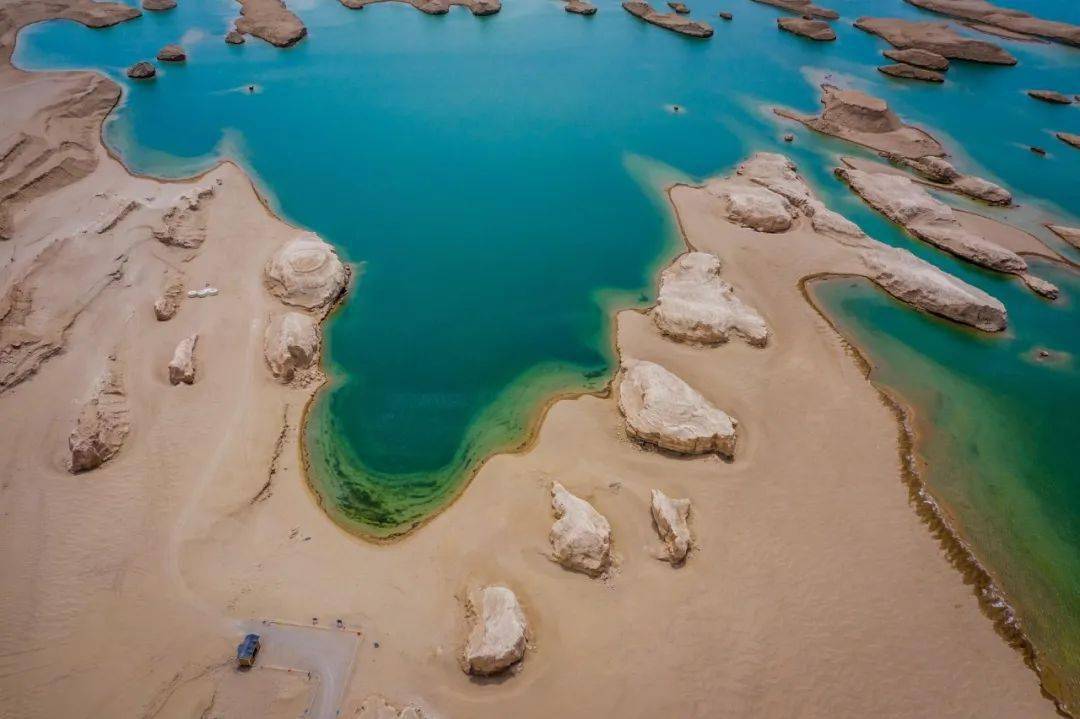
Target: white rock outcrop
pixel 184 224
pixel 941 171
pixel 581 536
pixel 182 366
pixel 498 636
pixel 291 343
pixel 1069 234
pixel 166 306
pixel 102 425
pixel 306 272
pixel 661 409
pixel 919 283
pixel 695 305
pixel 752 206
pixel 908 204
pixel 670 516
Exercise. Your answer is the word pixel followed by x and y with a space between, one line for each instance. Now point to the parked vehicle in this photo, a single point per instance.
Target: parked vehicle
pixel 247 650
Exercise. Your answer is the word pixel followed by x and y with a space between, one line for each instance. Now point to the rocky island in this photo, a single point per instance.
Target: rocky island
pixel 671 21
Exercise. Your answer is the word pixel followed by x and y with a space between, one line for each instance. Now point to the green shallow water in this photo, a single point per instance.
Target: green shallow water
pixel 496 182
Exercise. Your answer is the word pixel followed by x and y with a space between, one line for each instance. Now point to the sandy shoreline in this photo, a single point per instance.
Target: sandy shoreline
pixel 127 586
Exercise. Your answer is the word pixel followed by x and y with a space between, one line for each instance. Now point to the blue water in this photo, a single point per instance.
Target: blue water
pixel 496 183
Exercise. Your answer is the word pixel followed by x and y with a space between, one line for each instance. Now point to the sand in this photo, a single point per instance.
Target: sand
pixel 815 589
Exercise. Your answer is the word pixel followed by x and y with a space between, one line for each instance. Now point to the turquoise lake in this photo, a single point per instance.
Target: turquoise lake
pixel 497 183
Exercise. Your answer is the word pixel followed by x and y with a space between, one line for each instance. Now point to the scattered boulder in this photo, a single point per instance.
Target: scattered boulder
pixel 724 15
pixel 182 366
pixel 807 27
pixel 184 224
pixel 234 37
pixel 670 516
pixel 752 206
pixel 1069 234
pixel 919 58
pixel 1040 286
pixel 102 425
pixel 166 306
pixel 679 7
pixel 923 285
pixel 581 536
pixel 805 8
pixel 789 137
pixel 306 272
pixel 291 343
pixel 910 72
pixel 498 637
pixel 172 53
pixel 1068 138
pixel 661 409
pixel 1051 96
pixel 695 305
pixel 158 5
pixel 937 37
pixel 141 71
pixel 1038 150
pixel 908 204
pixel 670 21
pixel 580 7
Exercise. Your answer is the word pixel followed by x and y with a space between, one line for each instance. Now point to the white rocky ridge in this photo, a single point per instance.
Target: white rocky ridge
pixel 898 272
pixel 184 224
pixel 908 204
pixel 498 636
pixel 661 409
pixel 102 425
pixel 670 516
pixel 182 366
pixel 291 343
pixel 941 171
pixel 581 536
pixel 306 272
pixel 695 305
pixel 919 283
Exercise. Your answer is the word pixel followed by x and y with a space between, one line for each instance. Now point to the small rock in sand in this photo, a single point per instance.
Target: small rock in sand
pixel 919 58
pixel 182 366
pixel 807 27
pixel 377 707
pixel 1051 96
pixel 172 53
pixel 141 71
pixel 158 5
pixel 166 306
pixel 306 272
pixel 910 72
pixel 291 344
pixel 670 516
pixel 661 409
pixel 695 305
pixel 234 37
pixel 581 536
pixel 102 425
pixel 497 640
